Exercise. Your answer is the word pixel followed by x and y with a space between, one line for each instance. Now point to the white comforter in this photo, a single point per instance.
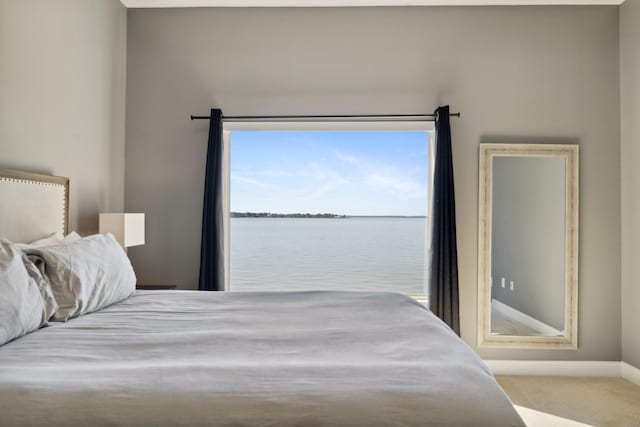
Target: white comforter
pixel 187 358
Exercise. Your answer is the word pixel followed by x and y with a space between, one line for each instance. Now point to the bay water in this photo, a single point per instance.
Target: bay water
pixel 354 253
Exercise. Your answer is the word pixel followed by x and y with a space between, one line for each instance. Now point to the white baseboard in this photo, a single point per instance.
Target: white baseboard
pixel 630 373
pixel 525 319
pixel 566 368
pixel 569 368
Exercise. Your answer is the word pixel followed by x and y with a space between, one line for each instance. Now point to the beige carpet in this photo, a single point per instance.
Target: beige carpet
pixel 503 325
pixel 574 401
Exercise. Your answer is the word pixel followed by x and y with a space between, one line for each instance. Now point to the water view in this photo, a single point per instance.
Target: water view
pixel 360 198
pixel 355 253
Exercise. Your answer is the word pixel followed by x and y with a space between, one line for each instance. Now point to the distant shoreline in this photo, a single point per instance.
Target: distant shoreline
pixel 308 215
pixel 387 216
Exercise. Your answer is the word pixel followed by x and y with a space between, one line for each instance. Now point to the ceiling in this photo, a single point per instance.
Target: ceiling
pixel 335 3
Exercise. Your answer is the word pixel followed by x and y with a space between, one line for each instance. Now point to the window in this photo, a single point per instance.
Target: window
pixel 339 206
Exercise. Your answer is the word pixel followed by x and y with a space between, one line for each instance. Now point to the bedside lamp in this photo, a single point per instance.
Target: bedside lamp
pixel 128 228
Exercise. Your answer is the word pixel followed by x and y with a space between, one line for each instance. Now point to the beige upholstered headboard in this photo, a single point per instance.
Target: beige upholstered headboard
pixel 32 206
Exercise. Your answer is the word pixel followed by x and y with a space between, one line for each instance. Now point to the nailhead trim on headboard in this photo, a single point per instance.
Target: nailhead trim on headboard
pixel 24 177
pixel 46 184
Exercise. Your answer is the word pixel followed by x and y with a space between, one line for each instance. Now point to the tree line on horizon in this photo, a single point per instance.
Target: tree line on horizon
pixel 310 215
pixel 282 215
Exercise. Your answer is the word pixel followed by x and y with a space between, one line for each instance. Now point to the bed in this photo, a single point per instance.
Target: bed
pixel 189 358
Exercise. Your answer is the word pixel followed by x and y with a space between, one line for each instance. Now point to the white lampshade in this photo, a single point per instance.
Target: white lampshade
pixel 128 228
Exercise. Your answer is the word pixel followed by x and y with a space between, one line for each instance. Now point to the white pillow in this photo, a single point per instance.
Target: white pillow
pixel 86 275
pixel 22 308
pixel 54 239
pixel 35 269
pixel 35 266
pixel 71 237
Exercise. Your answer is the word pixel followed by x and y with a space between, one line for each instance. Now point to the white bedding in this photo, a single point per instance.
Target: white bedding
pixel 188 358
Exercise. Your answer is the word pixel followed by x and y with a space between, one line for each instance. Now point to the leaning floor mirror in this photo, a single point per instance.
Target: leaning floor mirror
pixel 528 246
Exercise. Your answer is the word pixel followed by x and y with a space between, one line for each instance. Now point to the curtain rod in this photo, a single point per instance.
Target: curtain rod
pixel 384 117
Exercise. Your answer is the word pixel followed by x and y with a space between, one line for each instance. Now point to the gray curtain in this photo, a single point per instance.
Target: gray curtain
pixel 212 242
pixel 443 251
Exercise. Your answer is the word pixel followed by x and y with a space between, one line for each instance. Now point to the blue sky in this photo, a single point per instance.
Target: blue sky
pixel 340 172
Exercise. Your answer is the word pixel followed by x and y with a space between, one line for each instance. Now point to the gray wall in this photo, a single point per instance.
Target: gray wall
pixel 630 100
pixel 511 71
pixel 527 242
pixel 62 102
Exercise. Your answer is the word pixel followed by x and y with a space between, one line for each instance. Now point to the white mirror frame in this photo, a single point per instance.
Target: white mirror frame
pixel 570 152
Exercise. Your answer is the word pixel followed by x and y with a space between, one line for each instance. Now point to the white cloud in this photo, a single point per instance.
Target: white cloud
pixel 253 182
pixel 272 173
pixel 386 179
pixel 390 181
pixel 322 173
pixel 347 158
pixel 327 180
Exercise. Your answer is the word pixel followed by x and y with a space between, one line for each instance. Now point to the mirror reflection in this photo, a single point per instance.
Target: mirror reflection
pixel 528 246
